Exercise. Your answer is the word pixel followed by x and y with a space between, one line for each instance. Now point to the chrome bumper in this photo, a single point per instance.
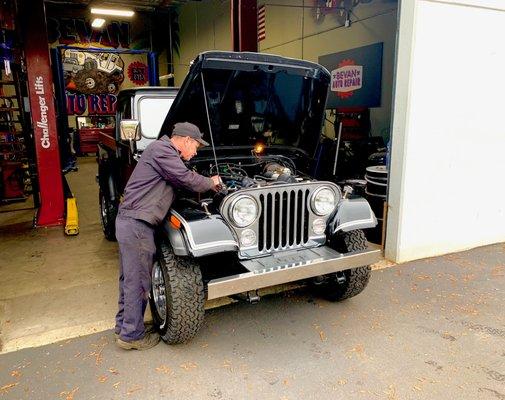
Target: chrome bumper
pixel 290 266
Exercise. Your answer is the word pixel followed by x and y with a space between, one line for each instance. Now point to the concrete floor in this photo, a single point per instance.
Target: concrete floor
pixel 48 279
pixel 431 329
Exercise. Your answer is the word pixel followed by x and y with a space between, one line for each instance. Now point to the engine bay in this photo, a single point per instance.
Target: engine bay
pixel 237 176
pixel 241 174
pixel 256 172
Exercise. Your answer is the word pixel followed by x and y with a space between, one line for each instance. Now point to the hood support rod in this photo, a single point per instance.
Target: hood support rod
pixel 208 121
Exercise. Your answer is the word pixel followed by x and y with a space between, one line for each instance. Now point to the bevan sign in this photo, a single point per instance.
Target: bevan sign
pixel 356 77
pixel 347 78
pixel 67 31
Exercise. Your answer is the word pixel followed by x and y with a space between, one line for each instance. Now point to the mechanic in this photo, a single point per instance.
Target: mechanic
pixel 148 196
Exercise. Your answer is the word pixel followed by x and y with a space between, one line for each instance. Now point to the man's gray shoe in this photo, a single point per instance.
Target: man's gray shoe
pixel 149 340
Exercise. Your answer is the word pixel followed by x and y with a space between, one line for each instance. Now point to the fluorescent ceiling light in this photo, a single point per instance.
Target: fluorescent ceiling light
pixel 98 23
pixel 112 11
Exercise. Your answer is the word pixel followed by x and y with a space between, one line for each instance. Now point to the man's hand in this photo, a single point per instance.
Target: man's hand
pixel 218 183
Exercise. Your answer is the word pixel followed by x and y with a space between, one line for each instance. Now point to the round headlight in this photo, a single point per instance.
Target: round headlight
pixel 243 211
pixel 323 201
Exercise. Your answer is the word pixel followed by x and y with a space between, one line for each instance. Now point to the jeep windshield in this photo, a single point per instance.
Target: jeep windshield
pixel 254 98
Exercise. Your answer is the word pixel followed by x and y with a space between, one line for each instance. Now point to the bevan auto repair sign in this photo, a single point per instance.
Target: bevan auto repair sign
pixel 356 77
pixel 347 78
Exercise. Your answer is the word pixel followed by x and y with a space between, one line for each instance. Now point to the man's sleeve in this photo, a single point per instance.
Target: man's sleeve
pixel 170 166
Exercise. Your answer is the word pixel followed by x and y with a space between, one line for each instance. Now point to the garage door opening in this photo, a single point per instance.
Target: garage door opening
pixel 354 40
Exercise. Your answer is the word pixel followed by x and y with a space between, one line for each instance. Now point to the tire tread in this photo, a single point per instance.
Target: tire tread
pixel 109 224
pixel 185 297
pixel 356 278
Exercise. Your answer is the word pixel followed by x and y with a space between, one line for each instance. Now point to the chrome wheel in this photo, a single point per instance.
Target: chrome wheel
pixel 159 292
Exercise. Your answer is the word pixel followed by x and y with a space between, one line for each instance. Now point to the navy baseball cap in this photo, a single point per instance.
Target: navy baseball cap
pixel 189 129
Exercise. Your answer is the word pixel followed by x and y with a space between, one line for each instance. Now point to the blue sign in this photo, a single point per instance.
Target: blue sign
pixel 356 77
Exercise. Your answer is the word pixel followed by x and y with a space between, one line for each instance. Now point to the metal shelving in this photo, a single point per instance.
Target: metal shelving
pixel 16 159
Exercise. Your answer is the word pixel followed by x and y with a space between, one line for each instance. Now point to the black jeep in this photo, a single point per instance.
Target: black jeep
pixel 274 222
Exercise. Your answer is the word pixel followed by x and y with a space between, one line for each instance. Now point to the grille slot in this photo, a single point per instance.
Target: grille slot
pixel 284 219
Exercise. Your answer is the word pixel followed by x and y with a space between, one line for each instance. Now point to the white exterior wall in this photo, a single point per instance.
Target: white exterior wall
pixel 447 180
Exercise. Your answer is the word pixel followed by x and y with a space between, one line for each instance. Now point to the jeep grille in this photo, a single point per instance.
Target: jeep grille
pixel 283 221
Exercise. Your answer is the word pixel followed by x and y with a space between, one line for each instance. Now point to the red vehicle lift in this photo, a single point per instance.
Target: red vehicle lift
pixel 40 89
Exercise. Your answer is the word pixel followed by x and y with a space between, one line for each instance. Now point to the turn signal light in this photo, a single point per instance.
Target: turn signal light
pixel 175 222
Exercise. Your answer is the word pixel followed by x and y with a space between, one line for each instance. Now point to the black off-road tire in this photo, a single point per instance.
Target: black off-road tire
pixel 356 279
pixel 185 296
pixel 108 213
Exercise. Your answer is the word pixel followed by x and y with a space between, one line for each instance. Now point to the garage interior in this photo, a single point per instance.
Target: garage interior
pixel 47 287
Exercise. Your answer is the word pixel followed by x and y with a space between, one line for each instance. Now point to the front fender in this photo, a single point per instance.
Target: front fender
pixel 176 239
pixel 200 236
pixel 354 213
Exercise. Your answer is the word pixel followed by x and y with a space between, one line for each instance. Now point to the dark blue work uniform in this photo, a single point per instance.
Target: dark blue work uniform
pixel 148 196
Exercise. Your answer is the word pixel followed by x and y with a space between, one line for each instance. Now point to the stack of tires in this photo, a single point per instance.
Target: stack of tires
pixel 376 178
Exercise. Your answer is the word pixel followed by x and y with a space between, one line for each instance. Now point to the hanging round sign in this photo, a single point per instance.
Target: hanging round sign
pixel 137 72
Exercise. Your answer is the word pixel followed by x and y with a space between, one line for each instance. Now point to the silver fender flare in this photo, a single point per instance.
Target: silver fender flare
pixel 351 214
pixel 200 237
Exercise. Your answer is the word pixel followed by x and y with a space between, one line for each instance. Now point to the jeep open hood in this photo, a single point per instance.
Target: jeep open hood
pixel 253 97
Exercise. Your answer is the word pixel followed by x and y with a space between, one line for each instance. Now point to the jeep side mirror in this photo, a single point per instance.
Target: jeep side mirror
pixel 130 130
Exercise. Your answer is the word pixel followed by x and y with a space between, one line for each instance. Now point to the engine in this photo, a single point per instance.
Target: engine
pixel 241 175
pixel 236 176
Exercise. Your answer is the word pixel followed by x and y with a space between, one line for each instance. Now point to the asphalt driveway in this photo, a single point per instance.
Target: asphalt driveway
pixel 431 329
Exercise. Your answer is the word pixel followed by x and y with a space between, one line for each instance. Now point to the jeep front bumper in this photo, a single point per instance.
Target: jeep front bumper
pixel 290 266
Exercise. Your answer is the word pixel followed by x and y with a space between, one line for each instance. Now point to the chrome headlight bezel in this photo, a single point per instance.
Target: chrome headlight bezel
pixel 313 199
pixel 233 206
